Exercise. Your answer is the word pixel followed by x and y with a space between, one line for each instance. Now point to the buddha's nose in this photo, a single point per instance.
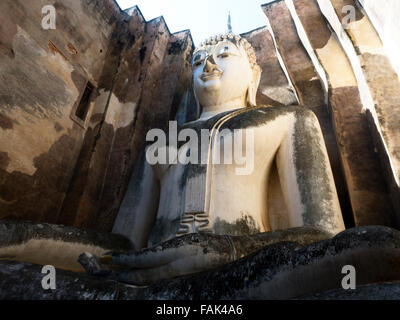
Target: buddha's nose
pixel 210 65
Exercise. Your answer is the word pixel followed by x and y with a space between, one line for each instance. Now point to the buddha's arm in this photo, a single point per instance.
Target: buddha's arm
pixel 139 207
pixel 306 177
pixel 190 254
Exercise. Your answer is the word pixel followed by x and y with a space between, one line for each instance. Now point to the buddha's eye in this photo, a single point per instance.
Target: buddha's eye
pixel 199 59
pixel 198 63
pixel 223 55
pixel 223 52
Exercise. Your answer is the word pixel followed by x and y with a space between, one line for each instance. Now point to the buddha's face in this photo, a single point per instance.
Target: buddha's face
pixel 221 73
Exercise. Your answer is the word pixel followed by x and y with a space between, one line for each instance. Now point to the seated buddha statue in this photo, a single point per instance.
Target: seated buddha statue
pixel 189 216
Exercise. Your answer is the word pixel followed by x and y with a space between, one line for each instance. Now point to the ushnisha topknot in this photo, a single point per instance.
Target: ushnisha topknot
pixel 237 40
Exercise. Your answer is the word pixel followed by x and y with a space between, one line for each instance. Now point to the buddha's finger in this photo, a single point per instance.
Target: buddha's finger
pixel 180 267
pixel 91 265
pixel 149 258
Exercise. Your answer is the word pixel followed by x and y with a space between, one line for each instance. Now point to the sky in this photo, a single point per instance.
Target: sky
pixel 204 18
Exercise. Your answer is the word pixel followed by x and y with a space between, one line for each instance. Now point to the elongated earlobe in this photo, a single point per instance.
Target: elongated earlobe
pixel 252 90
pixel 251 96
pixel 199 107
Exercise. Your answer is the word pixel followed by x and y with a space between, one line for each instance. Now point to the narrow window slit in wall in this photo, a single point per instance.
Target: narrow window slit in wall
pixel 83 108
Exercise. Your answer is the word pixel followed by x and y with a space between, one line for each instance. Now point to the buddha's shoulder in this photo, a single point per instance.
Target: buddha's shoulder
pixel 262 115
pixel 249 117
pixel 273 110
pixel 279 110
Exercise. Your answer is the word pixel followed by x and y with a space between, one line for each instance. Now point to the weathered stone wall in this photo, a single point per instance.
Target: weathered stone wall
pixel 368 198
pixel 275 88
pixel 384 15
pixel 153 63
pixel 43 75
pixel 378 84
pixel 53 167
pixel 345 77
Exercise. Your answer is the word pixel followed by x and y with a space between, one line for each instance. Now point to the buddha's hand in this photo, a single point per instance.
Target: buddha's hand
pixel 177 257
pixel 190 253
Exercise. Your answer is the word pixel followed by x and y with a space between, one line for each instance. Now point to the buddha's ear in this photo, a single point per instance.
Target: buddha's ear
pixel 199 107
pixel 253 88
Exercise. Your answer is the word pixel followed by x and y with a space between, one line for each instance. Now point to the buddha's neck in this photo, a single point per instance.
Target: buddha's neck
pixel 213 110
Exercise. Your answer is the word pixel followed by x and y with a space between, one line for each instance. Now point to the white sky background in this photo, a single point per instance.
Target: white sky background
pixel 204 18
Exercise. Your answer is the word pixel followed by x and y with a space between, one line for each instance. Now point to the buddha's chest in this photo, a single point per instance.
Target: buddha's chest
pixel 219 179
pixel 224 195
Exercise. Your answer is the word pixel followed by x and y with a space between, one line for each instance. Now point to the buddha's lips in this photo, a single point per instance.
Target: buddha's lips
pixel 210 75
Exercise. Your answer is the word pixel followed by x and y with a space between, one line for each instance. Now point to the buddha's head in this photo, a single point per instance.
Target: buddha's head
pixel 225 69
